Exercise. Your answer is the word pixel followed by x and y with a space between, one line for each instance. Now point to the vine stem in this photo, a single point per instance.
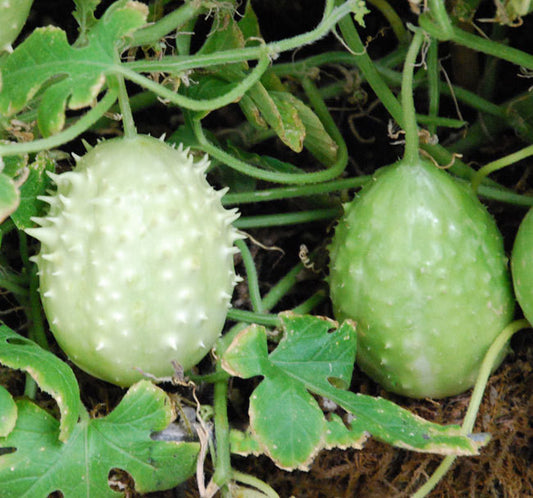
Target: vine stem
pixel 323 114
pixel 200 105
pixel 393 18
pixel 223 470
pixel 438 10
pixel 175 64
pixel 163 26
pixel 128 123
pixel 475 401
pixel 369 70
pixel 283 219
pixel 475 42
pixel 80 126
pixel 499 164
pixel 14 288
pixel 251 276
pixel 410 126
pixel 433 84
pixel 256 483
pixel 290 192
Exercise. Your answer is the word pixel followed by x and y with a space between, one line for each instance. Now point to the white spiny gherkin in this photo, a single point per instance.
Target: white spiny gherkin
pixel 136 261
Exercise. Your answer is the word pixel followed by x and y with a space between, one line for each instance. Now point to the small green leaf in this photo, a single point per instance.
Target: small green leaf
pixel 51 374
pixel 9 196
pixel 317 140
pixel 280 115
pixel 36 184
pixel 73 77
pixel 249 24
pixel 317 356
pixel 293 134
pixel 8 412
pixel 84 14
pixel 41 464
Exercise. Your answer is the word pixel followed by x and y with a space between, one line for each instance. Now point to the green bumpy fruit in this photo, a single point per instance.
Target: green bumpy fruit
pixel 522 266
pixel 136 262
pixel 419 263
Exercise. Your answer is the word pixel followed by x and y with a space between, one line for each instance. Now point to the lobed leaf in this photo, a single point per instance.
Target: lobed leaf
pixel 68 77
pixel 40 464
pixel 317 356
pixel 285 418
pixel 36 184
pixel 51 374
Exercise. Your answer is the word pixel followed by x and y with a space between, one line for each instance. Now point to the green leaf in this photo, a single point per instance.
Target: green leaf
pixel 36 184
pixel 69 77
pixel 294 122
pixel 284 418
pixel 316 356
pixel 84 15
pixel 51 374
pixel 249 24
pixel 225 35
pixel 41 464
pixel 281 115
pixel 8 412
pixel 316 139
pixel 9 196
pixel 13 15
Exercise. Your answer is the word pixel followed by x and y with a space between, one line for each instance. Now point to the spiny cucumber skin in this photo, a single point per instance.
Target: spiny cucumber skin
pixel 522 265
pixel 136 261
pixel 419 263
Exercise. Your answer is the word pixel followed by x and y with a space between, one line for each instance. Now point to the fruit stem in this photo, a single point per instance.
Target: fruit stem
pixel 475 401
pixel 130 130
pixel 410 126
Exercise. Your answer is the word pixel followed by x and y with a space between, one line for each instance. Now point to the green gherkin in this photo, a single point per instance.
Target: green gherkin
pixel 136 261
pixel 419 263
pixel 522 264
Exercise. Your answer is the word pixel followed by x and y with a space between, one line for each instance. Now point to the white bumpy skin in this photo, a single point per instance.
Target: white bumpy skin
pixel 136 262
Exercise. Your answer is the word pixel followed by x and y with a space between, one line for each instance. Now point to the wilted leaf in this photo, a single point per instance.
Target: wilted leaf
pixel 316 356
